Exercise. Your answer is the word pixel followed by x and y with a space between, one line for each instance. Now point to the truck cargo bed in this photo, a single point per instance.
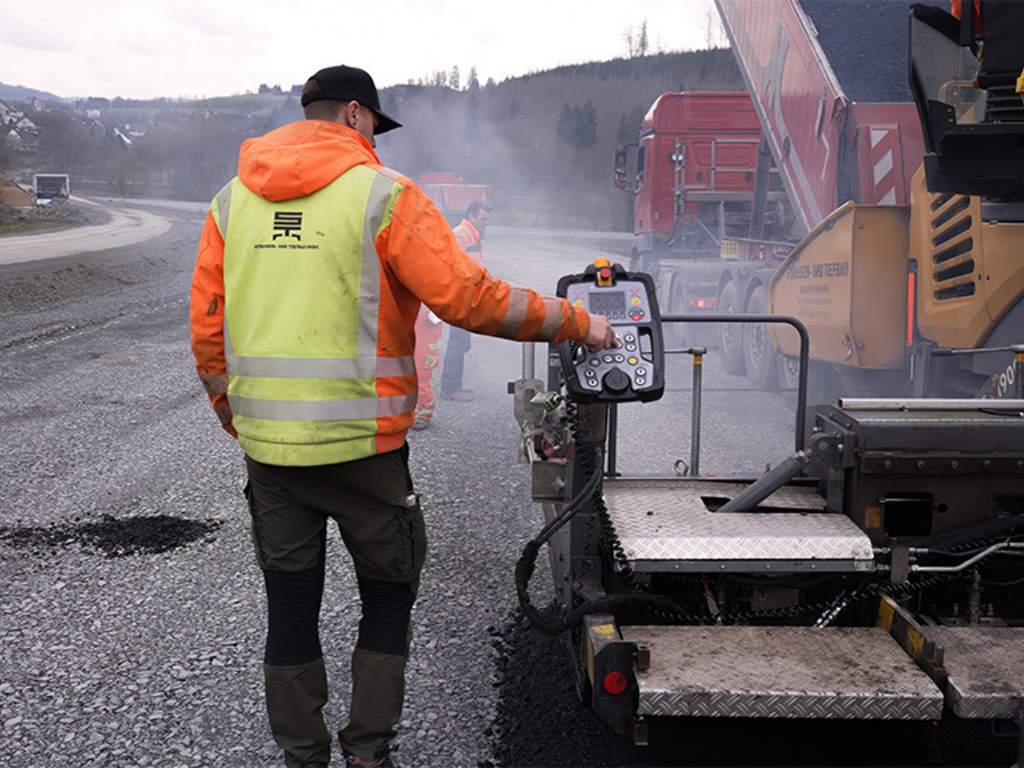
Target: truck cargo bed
pixel 870 63
pixel 828 79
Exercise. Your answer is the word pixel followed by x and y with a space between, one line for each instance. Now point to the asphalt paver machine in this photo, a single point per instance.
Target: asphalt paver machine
pixel 876 572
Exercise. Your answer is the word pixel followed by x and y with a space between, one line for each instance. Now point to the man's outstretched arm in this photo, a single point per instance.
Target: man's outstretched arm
pixel 420 248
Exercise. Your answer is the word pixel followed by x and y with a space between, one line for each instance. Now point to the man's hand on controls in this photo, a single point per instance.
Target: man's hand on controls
pixel 602 335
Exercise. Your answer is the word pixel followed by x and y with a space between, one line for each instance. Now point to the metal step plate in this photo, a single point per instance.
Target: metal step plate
pixel 791 672
pixel 986 670
pixel 666 525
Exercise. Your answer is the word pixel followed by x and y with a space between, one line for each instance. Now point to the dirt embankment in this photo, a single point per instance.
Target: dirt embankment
pixel 55 215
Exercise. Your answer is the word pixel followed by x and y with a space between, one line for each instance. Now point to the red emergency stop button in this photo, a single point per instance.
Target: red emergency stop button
pixel 615 683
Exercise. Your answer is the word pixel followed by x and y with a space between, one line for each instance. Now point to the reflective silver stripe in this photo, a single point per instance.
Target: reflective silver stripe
pixel 320 367
pixel 396 406
pixel 369 281
pixel 390 173
pixel 515 315
pixel 322 410
pixel 552 319
pixel 396 366
pixel 223 199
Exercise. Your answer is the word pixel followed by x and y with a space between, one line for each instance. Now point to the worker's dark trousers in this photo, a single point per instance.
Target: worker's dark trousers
pixel 372 503
pixel 459 342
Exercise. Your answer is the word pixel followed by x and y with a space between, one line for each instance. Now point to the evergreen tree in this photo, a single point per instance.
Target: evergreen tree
pixel 455 79
pixel 642 43
pixel 588 125
pixel 473 83
pixel 566 129
pixel 473 118
pixel 622 135
pixel 577 125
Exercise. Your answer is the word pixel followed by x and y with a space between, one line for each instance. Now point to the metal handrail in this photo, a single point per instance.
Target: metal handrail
pixel 805 349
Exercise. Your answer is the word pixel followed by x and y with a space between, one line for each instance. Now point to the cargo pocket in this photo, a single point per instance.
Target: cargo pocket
pixel 254 527
pixel 412 541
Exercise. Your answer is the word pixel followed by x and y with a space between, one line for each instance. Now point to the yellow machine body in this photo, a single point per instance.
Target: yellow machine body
pixel 847 281
pixel 970 272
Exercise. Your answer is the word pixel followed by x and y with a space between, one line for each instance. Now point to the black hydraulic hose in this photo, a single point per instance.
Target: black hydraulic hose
pixel 527 565
pixel 767 484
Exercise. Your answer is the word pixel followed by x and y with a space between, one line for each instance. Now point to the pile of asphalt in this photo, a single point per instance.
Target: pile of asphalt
pixel 866 44
pixel 114 536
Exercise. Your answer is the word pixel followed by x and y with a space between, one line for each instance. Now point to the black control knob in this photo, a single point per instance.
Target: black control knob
pixel 616 381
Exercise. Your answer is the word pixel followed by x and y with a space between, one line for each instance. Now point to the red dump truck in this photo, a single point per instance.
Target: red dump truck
pixel 704 226
pixel 451 195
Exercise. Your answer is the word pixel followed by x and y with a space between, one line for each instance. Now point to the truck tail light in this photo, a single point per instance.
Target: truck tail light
pixel 704 302
pixel 615 683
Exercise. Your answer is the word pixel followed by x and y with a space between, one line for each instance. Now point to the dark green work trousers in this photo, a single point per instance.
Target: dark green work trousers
pixel 374 506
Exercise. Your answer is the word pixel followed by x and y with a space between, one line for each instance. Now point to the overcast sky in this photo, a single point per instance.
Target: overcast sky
pixel 145 48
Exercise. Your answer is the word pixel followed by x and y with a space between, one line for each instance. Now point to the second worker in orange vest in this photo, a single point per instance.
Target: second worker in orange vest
pixel 468 234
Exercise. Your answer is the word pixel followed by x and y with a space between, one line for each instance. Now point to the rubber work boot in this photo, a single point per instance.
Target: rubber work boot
pixel 380 760
pixel 459 396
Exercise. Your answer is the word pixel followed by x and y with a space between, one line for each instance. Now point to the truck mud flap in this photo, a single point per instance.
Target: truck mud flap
pixel 780 672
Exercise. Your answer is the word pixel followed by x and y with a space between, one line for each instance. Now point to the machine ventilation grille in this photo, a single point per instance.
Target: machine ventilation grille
pixel 952 273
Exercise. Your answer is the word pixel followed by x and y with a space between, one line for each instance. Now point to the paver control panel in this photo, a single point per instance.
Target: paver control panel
pixel 635 369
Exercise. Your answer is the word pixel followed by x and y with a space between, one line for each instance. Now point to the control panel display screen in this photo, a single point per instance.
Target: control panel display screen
pixel 608 303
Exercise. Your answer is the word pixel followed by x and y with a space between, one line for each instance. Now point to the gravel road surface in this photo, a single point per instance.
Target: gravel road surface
pixel 131 614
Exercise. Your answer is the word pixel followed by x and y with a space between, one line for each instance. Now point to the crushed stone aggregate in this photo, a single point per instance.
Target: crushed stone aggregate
pixel 154 659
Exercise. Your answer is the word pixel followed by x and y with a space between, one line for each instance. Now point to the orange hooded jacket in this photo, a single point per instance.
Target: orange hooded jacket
pixel 420 262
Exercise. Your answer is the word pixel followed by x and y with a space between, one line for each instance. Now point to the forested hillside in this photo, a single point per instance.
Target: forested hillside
pixel 544 141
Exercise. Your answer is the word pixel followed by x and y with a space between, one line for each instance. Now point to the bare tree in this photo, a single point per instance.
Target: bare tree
pixel 629 40
pixel 714 32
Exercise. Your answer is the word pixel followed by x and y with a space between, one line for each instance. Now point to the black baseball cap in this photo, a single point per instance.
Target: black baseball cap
pixel 343 83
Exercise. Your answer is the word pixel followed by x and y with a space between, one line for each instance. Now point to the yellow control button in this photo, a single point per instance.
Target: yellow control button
pixel 602 263
pixel 578 302
pixel 632 360
pixel 635 301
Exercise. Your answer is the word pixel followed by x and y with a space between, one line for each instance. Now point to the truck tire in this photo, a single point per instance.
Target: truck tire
pixel 677 334
pixel 789 372
pixel 759 355
pixel 730 336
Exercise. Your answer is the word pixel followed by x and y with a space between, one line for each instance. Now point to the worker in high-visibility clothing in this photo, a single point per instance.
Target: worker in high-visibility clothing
pixel 312 266
pixel 430 344
pixel 469 235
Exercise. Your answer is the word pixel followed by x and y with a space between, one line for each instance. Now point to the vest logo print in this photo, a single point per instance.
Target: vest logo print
pixel 287 233
pixel 287 224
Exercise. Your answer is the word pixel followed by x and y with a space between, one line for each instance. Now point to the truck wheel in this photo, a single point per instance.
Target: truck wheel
pixel 758 353
pixel 730 335
pixel 677 334
pixel 789 372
